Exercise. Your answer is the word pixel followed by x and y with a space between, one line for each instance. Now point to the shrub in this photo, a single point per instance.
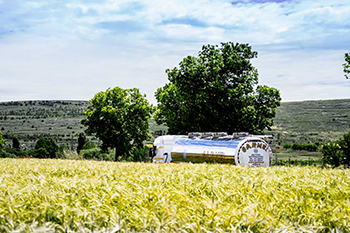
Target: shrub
pixel 345 146
pixel 67 153
pixel 96 153
pixel 15 153
pixel 41 153
pixel 311 147
pixel 2 141
pixel 91 153
pixel 108 155
pixel 331 154
pixel 88 145
pixel 5 154
pixel 302 146
pixel 337 153
pixel 296 162
pixel 45 148
pixel 139 154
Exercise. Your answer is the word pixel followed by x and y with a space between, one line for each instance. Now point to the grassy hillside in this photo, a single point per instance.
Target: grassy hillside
pixel 31 120
pixel 296 122
pixel 311 121
pixel 60 120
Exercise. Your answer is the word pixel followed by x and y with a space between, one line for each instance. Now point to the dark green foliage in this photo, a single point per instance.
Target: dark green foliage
pixel 10 152
pixel 41 153
pixel 6 154
pixel 45 148
pixel 119 118
pixel 140 154
pixel 91 153
pixel 216 91
pixel 81 141
pixel 304 146
pixel 310 119
pixel 297 122
pixel 346 65
pixel 15 153
pixel 337 153
pixel 15 143
pixel 296 162
pixel 88 145
pixel 96 153
pixel 2 141
pixel 345 147
pixel 331 154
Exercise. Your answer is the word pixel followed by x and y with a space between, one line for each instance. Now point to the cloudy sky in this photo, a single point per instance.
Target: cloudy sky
pixel 70 50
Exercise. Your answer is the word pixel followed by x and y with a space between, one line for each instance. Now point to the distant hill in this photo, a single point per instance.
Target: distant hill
pixel 58 119
pixel 31 120
pixel 306 121
pixel 310 121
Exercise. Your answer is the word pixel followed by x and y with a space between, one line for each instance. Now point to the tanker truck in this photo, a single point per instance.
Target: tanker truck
pixel 215 147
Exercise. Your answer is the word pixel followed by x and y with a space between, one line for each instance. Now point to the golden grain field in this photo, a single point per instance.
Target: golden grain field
pixel 89 196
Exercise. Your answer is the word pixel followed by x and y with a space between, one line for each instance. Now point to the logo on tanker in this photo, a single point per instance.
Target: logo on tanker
pixel 254 157
pixel 253 145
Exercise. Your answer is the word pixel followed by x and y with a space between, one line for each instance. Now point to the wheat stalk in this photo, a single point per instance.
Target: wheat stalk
pixel 89 196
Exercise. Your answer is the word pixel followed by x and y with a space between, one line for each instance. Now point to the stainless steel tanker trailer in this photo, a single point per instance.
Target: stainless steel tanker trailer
pixel 239 148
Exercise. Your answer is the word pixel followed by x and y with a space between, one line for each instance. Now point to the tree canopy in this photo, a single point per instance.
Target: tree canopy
pixel 346 65
pixel 216 91
pixel 119 118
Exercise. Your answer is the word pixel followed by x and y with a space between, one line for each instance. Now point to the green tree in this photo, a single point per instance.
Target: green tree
pixel 346 65
pixel 345 147
pixel 81 141
pixel 45 148
pixel 331 154
pixel 216 91
pixel 2 141
pixel 119 118
pixel 15 143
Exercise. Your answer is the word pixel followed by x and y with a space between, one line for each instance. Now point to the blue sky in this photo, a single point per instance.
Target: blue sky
pixel 70 50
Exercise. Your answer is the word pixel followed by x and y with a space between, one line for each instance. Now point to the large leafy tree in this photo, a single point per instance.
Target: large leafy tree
pixel 346 65
pixel 119 118
pixel 216 91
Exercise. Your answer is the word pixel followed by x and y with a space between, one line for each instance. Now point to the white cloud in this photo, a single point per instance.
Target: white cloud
pixel 65 50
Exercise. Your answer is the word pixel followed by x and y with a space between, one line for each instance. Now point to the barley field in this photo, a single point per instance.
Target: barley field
pixel 90 196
